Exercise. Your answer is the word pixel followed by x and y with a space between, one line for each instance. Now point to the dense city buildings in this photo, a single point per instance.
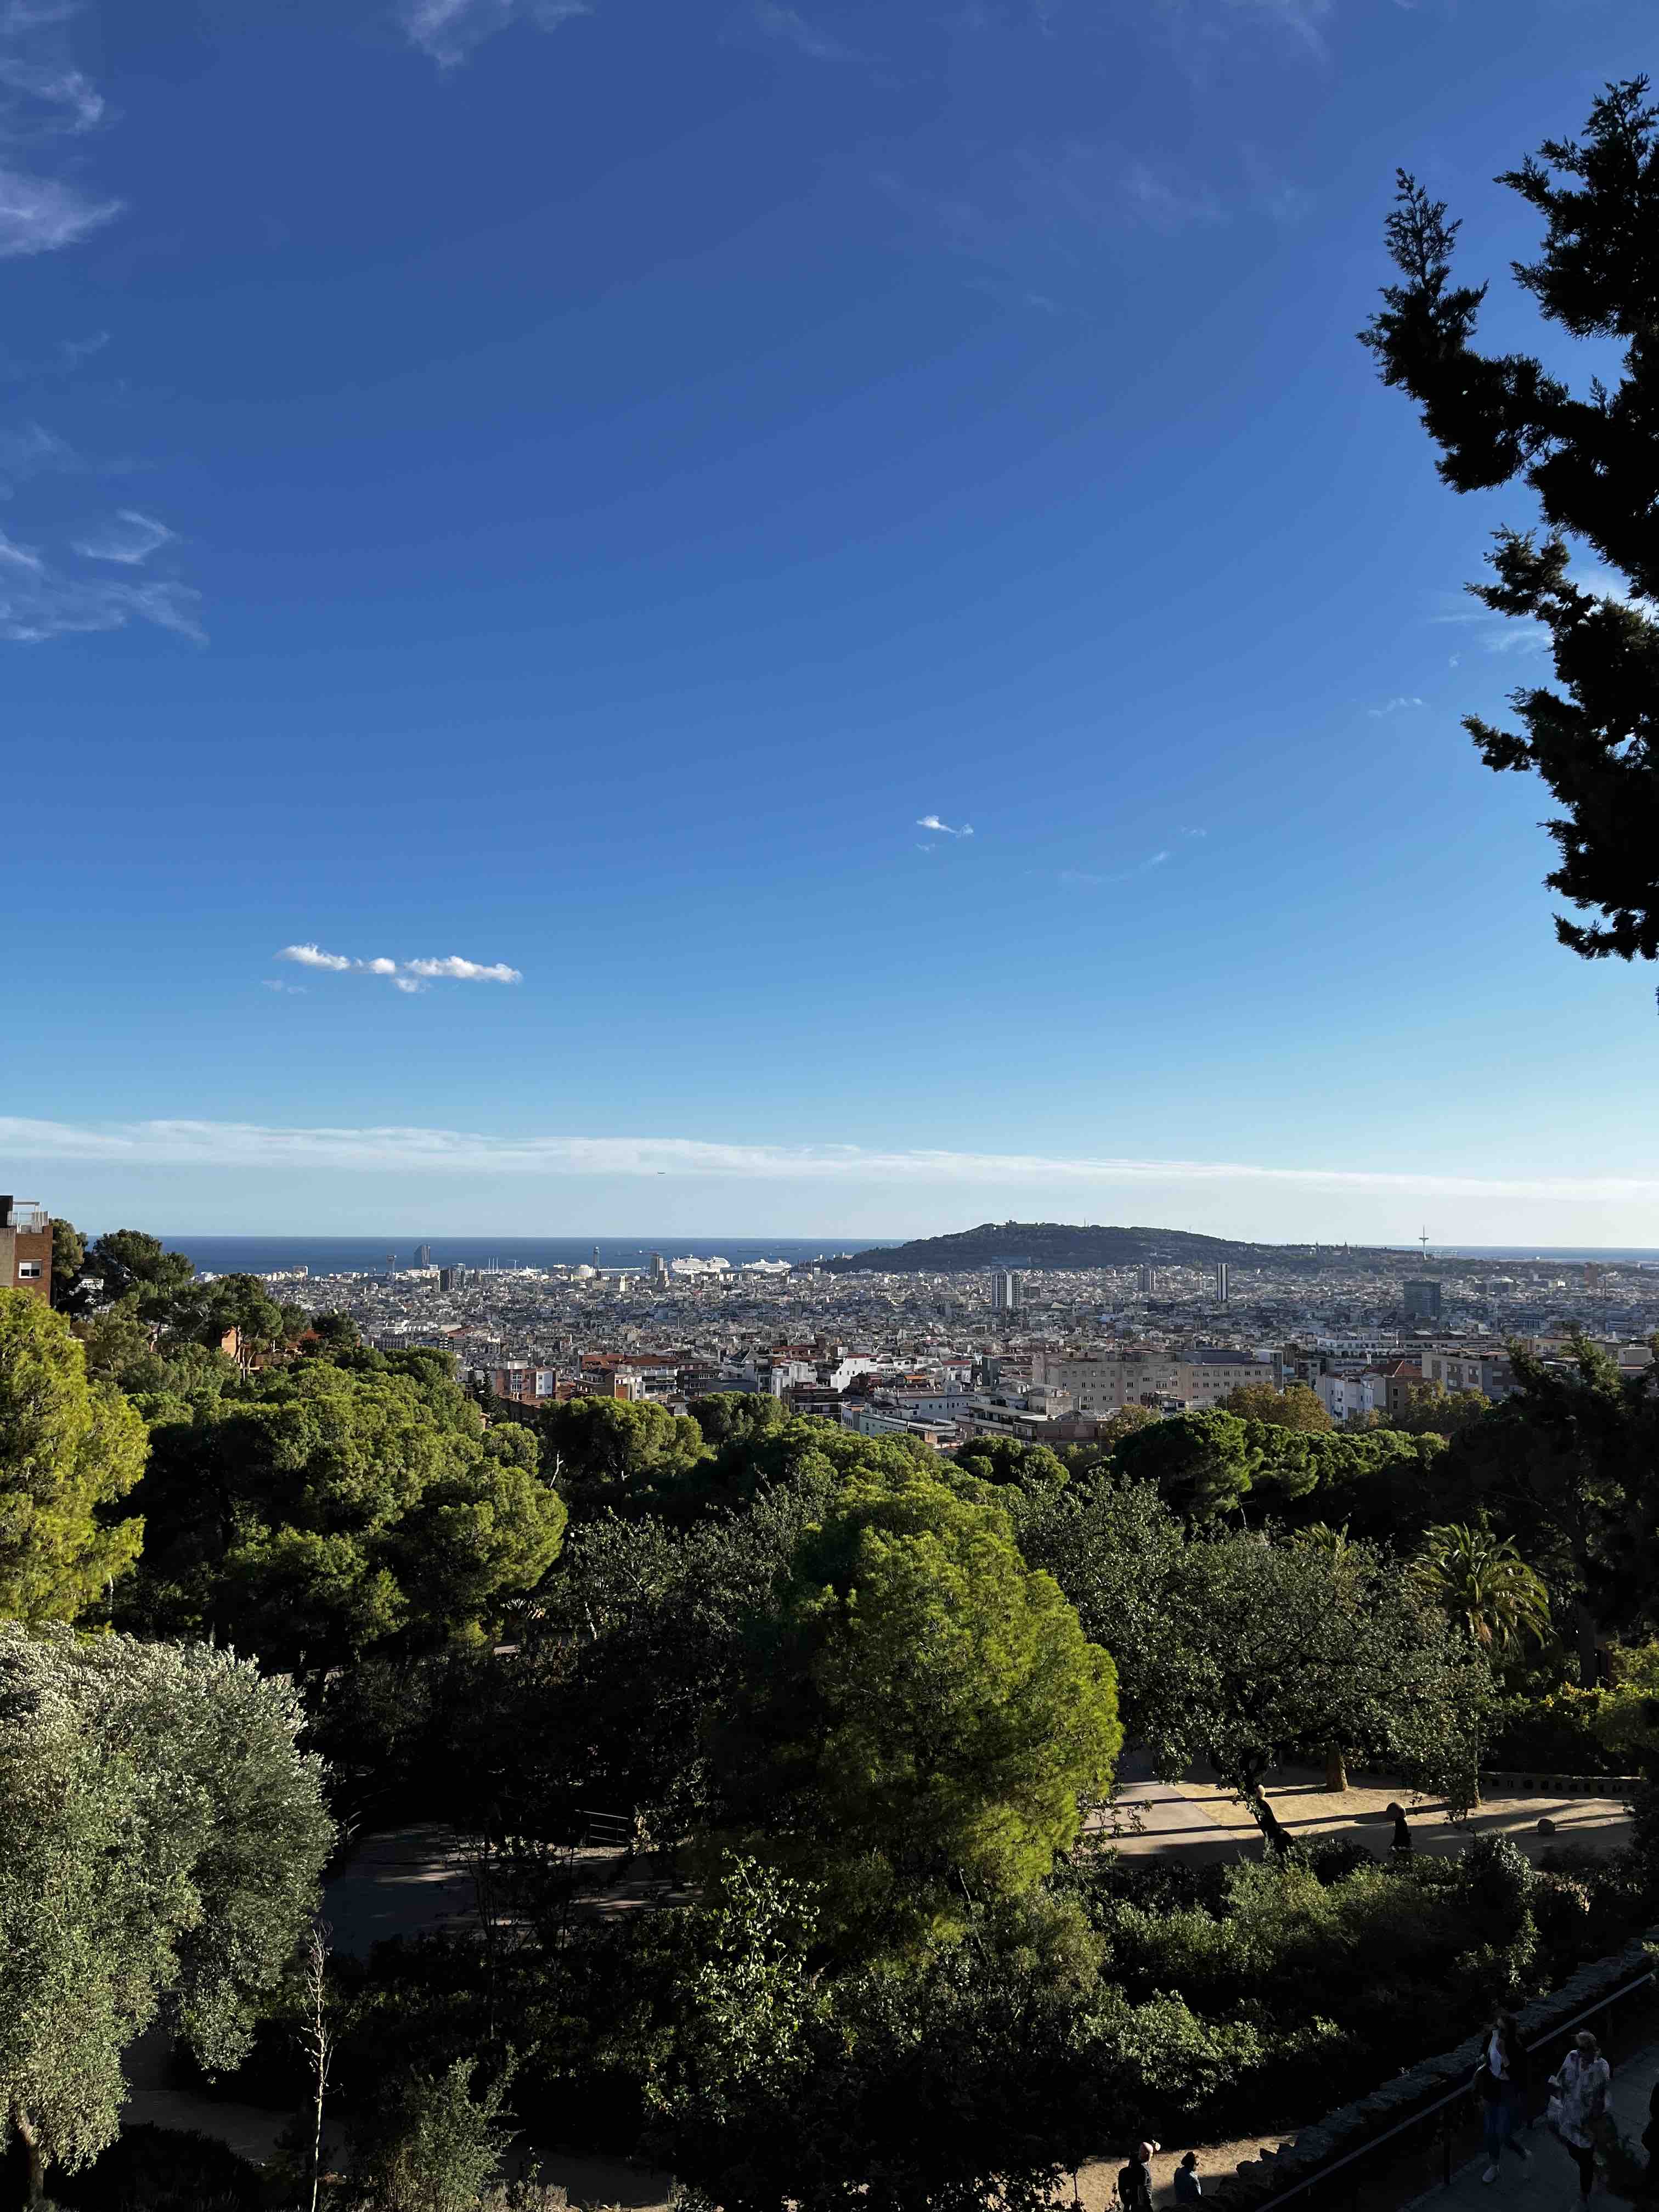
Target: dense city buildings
pixel 1041 1354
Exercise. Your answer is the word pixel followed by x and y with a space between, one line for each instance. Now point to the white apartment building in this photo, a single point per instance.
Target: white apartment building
pixel 1101 1385
pixel 1351 1397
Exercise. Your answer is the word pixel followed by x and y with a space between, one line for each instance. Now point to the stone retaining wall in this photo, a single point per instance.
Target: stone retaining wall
pixel 1512 1781
pixel 1350 2127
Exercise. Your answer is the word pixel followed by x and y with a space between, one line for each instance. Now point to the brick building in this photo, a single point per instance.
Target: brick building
pixel 26 1247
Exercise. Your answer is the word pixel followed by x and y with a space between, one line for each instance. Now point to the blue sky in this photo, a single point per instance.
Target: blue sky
pixel 572 492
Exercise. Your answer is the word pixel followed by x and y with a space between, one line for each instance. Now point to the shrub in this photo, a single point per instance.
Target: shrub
pixel 150 2169
pixel 1556 1733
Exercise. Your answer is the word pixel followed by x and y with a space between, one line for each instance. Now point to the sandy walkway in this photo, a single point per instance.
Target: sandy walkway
pixel 1197 1818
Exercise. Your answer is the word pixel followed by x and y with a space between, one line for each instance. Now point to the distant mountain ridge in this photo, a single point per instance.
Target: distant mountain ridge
pixel 1062 1244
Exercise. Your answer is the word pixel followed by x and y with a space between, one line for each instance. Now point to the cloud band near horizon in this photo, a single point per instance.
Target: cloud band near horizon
pixel 439 1152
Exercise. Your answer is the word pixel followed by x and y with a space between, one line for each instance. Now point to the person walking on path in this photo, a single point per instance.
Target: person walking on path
pixel 1134 2181
pixel 1579 2106
pixel 1188 2189
pixel 1500 2083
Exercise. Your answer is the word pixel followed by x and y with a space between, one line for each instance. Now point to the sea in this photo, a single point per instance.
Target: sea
pixel 367 1256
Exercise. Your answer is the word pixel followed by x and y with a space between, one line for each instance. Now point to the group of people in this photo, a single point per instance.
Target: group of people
pixel 1134 2182
pixel 1577 2107
pixel 1578 2113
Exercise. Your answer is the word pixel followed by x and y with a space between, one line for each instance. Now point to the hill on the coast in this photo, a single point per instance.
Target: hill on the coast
pixel 1062 1244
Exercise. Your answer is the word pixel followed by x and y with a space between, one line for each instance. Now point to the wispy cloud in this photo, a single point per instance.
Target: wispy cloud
pixel 409 975
pixel 804 36
pixel 44 100
pixel 450 1151
pixel 288 990
pixel 449 30
pixel 40 215
pixel 1041 224
pixel 29 449
pixel 1396 706
pixel 1086 879
pixel 1167 203
pixel 128 539
pixel 38 602
pixel 932 822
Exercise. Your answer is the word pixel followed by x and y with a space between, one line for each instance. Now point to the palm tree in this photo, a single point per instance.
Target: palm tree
pixel 1482 1581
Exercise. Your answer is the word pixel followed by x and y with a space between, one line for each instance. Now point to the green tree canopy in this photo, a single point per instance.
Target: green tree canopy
pixel 607 1452
pixel 1006 1460
pixel 128 1263
pixel 1296 1406
pixel 161 1840
pixel 1591 461
pixel 1203 1464
pixel 69 1254
pixel 318 1509
pixel 1274 1653
pixel 1569 1465
pixel 68 1449
pixel 924 1713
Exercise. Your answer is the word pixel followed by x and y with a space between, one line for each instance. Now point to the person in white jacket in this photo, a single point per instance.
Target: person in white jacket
pixel 1580 2104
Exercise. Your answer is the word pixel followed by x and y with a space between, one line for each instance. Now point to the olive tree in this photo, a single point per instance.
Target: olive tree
pixel 161 1840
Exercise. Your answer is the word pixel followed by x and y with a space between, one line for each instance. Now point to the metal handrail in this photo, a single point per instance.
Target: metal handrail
pixel 1453 2097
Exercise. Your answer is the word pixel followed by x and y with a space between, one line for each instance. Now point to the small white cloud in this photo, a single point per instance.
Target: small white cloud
pixel 449 30
pixel 932 822
pixel 463 971
pixel 289 990
pixel 409 975
pixel 1396 706
pixel 313 956
pixel 20 556
pixel 40 215
pixel 129 537
pixel 1194 833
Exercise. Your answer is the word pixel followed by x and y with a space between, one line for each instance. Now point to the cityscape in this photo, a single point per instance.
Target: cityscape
pixel 829 1168
pixel 1038 1356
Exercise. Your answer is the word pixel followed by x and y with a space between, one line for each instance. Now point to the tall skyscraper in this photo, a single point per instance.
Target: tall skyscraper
pixel 423 1256
pixel 659 1268
pixel 1146 1277
pixel 1007 1291
pixel 1223 1290
pixel 1422 1301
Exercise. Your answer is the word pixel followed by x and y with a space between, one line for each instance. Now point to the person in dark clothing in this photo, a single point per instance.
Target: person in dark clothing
pixel 1134 2181
pixel 1500 2083
pixel 1188 2189
pixel 1651 2144
pixel 1402 1834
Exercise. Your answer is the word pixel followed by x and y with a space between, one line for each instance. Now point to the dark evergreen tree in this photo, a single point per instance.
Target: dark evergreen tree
pixel 1593 462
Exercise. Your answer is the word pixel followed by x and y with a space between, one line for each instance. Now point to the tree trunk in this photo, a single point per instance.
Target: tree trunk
pixel 1583 1633
pixel 25 2130
pixel 1336 1767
